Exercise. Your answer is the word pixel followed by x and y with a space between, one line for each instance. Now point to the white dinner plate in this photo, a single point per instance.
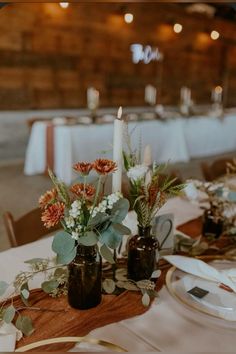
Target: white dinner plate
pixel 218 302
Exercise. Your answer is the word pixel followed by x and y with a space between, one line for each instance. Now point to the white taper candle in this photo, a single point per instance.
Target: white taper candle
pixel 117 152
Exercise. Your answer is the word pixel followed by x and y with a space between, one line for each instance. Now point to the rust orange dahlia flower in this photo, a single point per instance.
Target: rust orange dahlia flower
pixel 53 214
pixel 83 167
pixel 83 190
pixel 47 198
pixel 104 166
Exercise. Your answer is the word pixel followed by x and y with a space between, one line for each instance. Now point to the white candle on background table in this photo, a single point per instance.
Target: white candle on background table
pixel 147 155
pixel 150 95
pixel 92 98
pixel 216 94
pixel 117 152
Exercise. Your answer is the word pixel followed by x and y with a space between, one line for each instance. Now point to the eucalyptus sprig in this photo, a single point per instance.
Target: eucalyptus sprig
pixel 145 286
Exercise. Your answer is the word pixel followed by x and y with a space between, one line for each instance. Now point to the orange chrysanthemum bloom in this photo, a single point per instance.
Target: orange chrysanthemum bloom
pixel 83 167
pixel 83 190
pixel 53 214
pixel 47 198
pixel 104 166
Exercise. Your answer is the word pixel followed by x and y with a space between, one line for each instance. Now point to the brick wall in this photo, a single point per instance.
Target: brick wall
pixel 50 55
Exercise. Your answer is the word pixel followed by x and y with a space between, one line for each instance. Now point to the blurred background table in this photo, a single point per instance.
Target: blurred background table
pixel 176 140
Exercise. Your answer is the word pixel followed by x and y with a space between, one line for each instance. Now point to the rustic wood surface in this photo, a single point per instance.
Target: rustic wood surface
pixel 71 322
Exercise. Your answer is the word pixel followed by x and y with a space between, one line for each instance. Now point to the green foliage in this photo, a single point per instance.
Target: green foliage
pixel 110 237
pixel 24 293
pixel 9 314
pixel 119 210
pixel 24 324
pixel 107 254
pixel 109 286
pixel 90 238
pixel 61 188
pixel 64 246
pixel 49 286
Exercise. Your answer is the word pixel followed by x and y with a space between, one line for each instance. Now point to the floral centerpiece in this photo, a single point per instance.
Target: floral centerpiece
pixel 218 203
pixel 148 191
pixel 92 224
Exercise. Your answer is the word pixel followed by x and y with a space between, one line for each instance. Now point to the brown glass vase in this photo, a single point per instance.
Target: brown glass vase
pixel 85 278
pixel 211 227
pixel 142 249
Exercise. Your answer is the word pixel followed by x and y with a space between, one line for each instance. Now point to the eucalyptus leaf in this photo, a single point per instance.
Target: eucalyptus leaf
pixel 60 272
pixel 3 287
pixel 127 285
pixel 89 239
pixel 24 288
pixel 107 254
pixel 25 293
pixel 109 286
pixel 63 243
pixel 110 237
pixel 24 324
pixel 98 219
pixel 9 314
pixel 146 300
pixel 119 210
pixel 121 229
pixel 66 258
pixel 49 286
pixel 232 196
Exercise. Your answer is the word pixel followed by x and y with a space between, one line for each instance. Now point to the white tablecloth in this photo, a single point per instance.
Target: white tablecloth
pixel 166 326
pixel 175 140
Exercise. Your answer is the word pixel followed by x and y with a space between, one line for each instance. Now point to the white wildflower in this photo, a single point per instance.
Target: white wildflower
pixel 75 235
pixel 70 222
pixel 74 212
pixel 137 172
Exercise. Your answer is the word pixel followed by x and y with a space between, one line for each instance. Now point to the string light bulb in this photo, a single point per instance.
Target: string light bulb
pixel 215 35
pixel 64 5
pixel 128 17
pixel 177 28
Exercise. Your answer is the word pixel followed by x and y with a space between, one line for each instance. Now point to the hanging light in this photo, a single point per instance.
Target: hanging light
pixel 128 17
pixel 64 5
pixel 177 28
pixel 215 35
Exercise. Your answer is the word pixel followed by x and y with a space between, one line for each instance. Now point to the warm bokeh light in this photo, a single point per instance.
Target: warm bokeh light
pixel 64 5
pixel 215 35
pixel 218 89
pixel 128 18
pixel 177 27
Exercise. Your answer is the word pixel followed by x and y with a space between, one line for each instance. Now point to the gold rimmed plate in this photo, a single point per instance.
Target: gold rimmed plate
pixel 218 302
pixel 94 344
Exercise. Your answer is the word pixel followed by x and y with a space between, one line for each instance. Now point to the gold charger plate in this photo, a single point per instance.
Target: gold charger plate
pixel 197 305
pixel 105 344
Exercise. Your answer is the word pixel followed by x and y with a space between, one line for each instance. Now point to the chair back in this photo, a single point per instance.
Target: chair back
pixel 217 169
pixel 27 228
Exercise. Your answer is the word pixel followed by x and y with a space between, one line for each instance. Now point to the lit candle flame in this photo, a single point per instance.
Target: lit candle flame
pixel 119 113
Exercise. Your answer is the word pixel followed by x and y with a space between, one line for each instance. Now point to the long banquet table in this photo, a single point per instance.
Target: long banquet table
pixel 167 325
pixel 171 140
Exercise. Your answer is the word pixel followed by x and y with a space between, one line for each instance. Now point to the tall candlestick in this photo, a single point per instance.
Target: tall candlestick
pixel 147 155
pixel 117 152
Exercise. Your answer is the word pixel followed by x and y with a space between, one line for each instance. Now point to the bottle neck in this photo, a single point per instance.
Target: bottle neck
pixel 144 231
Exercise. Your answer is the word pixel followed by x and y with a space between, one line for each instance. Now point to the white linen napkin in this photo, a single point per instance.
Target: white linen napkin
pixel 201 269
pixel 9 334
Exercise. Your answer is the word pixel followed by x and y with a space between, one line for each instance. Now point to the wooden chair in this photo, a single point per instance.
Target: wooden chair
pixel 27 228
pixel 215 170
